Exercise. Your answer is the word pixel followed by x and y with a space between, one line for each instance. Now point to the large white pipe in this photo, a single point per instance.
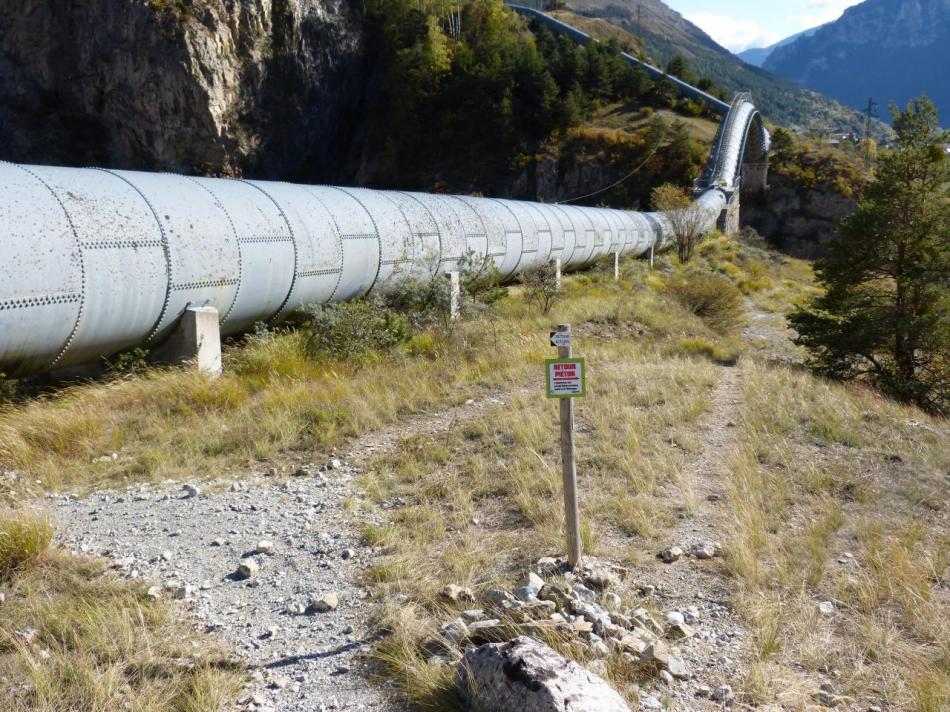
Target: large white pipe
pixel 96 261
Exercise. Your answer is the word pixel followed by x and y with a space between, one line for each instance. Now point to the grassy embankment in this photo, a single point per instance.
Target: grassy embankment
pixel 74 637
pixel 274 400
pixel 823 470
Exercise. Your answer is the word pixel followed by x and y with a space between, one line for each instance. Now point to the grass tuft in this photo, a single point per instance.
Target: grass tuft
pixel 25 537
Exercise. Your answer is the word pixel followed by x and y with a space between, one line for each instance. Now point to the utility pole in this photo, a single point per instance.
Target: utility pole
pixel 872 105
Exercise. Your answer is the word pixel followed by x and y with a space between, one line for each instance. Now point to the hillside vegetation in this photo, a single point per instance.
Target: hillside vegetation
pixel 483 101
pixel 663 34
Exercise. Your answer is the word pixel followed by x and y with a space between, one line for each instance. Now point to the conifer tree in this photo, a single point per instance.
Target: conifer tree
pixel 885 314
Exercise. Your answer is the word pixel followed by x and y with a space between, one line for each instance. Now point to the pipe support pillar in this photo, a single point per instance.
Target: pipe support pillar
pixel 196 339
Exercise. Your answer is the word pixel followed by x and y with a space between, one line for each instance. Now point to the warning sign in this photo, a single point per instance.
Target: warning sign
pixel 566 378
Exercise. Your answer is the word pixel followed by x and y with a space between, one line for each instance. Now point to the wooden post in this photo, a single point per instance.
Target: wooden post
pixel 651 256
pixel 557 272
pixel 569 466
pixel 616 265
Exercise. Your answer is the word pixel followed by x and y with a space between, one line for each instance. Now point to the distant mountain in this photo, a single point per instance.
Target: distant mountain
pixel 756 56
pixel 892 50
pixel 664 33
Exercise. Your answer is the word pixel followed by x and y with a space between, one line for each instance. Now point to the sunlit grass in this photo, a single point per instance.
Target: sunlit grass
pixel 72 637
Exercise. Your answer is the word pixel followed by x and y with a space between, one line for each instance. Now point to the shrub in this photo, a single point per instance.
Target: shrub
pixel 713 299
pixel 8 387
pixel 541 286
pixel 355 331
pixel 24 537
pixel 480 281
pixel 422 303
pixel 688 219
pixel 716 353
pixel 130 361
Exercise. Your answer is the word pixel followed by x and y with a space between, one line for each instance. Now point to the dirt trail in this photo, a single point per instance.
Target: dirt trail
pixel 699 589
pixel 717 652
pixel 370 446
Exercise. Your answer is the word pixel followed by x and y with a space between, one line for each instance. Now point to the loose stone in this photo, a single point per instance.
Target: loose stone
pixel 324 604
pixel 675 618
pixel 247 569
pixel 457 593
pixel 705 550
pixel 722 693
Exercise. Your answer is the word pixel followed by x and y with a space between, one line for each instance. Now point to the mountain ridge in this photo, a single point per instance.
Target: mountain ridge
pixel 891 50
pixel 756 56
pixel 663 33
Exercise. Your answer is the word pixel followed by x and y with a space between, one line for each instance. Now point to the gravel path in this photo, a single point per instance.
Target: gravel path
pixel 189 540
pixel 192 545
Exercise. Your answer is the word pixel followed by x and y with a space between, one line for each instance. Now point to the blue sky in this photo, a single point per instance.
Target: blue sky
pixel 740 24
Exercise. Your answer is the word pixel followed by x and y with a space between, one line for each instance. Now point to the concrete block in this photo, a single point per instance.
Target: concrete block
pixel 755 177
pixel 197 339
pixel 728 221
pixel 455 294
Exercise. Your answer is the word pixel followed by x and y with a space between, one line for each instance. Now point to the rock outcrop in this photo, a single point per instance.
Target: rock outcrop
pixel 794 219
pixel 205 86
pixel 525 675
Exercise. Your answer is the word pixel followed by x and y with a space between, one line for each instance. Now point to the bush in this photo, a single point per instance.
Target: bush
pixel 24 537
pixel 127 362
pixel 355 331
pixel 541 286
pixel 422 303
pixel 716 353
pixel 480 282
pixel 713 299
pixel 687 218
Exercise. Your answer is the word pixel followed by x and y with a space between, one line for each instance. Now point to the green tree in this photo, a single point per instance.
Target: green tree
pixel 678 67
pixel 885 314
pixel 783 147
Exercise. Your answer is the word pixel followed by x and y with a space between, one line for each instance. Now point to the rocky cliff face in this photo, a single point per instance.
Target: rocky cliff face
pixel 795 220
pixel 893 50
pixel 267 87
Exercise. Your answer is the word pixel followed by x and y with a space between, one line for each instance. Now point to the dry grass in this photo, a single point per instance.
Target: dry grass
pixel 825 471
pixel 24 537
pixel 482 502
pixel 274 398
pixel 652 364
pixel 73 637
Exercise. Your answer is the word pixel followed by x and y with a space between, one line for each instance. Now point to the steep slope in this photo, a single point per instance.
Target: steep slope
pixel 665 33
pixel 756 56
pixel 893 50
pixel 209 86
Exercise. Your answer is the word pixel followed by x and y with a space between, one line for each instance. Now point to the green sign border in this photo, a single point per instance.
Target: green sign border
pixel 547 377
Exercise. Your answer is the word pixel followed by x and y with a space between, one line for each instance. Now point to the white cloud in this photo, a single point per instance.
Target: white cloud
pixel 735 35
pixel 822 11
